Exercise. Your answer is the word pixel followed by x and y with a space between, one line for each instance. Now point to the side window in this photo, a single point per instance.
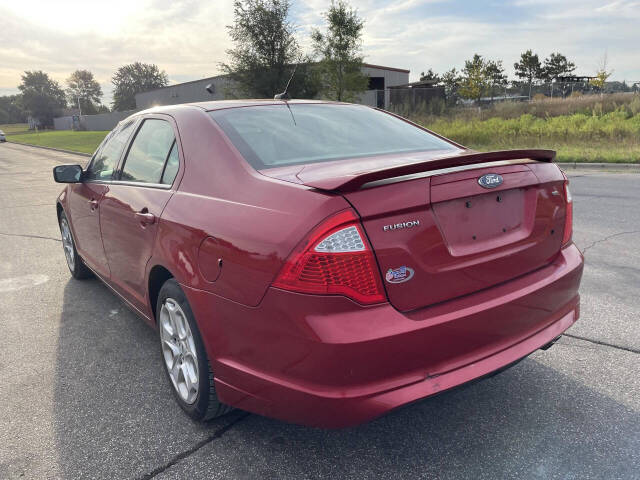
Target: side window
pixel 171 169
pixel 106 160
pixel 148 153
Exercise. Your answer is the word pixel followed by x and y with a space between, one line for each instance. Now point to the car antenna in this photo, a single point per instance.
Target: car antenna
pixel 285 95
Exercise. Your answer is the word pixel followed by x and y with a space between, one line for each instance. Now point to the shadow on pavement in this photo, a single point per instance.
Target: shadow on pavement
pixel 115 417
pixel 528 422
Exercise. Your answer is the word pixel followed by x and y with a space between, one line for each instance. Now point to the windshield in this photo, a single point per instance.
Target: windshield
pixel 277 135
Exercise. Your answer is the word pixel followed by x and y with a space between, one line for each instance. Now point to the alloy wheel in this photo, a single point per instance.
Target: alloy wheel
pixel 67 243
pixel 179 350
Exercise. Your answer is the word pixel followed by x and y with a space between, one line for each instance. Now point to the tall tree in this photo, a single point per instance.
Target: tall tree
pixel 556 65
pixel 528 68
pixel 496 78
pixel 430 75
pixel 42 97
pixel 340 51
pixel 135 78
pixel 265 51
pixel 602 75
pixel 451 80
pixel 83 91
pixel 475 80
pixel 11 109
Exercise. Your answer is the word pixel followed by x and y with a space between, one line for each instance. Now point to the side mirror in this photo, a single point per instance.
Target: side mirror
pixel 67 173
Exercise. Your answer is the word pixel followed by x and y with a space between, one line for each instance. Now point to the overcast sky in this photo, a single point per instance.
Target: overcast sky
pixel 188 39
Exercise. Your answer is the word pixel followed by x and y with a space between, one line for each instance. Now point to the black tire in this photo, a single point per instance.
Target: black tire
pixel 79 270
pixel 206 405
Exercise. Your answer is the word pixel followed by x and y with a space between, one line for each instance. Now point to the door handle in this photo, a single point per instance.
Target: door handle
pixel 145 217
pixel 93 204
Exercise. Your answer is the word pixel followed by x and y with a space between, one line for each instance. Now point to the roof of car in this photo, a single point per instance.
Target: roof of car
pixel 222 104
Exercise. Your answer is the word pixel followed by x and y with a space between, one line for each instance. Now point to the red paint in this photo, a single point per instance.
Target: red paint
pixel 81 205
pixel 128 241
pixel 352 175
pixel 335 358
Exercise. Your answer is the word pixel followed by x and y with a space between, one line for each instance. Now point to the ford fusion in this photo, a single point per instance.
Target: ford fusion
pixel 321 263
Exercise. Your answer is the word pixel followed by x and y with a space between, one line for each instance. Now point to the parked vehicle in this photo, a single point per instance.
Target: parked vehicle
pixel 322 263
pixel 3 138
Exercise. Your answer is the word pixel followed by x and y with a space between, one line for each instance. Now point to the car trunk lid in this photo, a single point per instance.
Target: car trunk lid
pixel 444 236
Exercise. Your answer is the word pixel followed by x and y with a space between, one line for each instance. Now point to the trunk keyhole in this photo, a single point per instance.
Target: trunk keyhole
pixel 498 199
pixel 467 204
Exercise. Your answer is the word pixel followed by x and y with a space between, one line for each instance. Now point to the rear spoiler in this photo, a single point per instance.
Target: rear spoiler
pixel 322 179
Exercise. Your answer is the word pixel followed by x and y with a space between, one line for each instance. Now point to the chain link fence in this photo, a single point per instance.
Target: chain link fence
pixel 439 101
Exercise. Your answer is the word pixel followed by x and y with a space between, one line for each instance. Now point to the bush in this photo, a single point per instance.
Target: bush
pixel 611 137
pixel 543 108
pixel 613 126
pixel 634 105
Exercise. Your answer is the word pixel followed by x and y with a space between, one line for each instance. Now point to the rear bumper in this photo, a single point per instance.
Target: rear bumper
pixel 327 362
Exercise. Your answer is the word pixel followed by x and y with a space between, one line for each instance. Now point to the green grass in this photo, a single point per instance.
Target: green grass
pixel 601 152
pixel 83 142
pixel 13 128
pixel 612 137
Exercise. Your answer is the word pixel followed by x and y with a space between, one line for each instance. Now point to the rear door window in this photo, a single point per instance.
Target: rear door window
pixel 150 150
pixel 173 163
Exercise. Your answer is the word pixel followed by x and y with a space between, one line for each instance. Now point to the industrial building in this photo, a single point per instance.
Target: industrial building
pixel 380 79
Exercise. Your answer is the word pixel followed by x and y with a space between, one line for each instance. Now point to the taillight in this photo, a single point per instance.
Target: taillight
pixel 335 258
pixel 568 219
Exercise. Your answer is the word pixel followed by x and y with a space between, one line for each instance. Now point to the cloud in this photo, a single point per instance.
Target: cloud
pixel 188 38
pixel 442 34
pixel 182 37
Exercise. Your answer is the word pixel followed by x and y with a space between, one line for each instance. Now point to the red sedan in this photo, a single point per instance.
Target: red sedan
pixel 321 263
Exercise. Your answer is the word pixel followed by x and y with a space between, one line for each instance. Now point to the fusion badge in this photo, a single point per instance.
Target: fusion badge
pixel 399 275
pixel 397 226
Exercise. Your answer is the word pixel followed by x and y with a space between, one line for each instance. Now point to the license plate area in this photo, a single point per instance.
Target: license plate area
pixel 479 223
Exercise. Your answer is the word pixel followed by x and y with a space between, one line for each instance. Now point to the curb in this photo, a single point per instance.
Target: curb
pixel 51 148
pixel 627 167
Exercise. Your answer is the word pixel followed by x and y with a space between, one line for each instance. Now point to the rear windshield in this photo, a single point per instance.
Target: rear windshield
pixel 277 135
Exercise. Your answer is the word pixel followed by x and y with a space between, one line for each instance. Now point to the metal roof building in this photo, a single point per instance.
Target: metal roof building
pixel 380 79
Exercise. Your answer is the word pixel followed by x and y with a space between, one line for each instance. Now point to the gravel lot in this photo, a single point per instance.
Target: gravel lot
pixel 83 395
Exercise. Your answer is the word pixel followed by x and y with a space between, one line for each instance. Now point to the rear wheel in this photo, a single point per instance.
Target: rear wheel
pixel 75 263
pixel 184 357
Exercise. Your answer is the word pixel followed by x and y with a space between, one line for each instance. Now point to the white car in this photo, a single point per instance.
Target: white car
pixel 2 137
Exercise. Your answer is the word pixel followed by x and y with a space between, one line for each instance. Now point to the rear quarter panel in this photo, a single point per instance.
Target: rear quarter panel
pixel 250 222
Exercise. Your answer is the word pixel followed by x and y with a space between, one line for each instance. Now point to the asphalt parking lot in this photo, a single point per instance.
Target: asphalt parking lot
pixel 82 393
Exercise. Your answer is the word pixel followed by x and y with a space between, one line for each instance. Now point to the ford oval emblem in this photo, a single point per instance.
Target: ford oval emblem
pixel 399 275
pixel 490 180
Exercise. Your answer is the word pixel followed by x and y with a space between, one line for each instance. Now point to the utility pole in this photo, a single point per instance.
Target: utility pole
pixel 80 87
